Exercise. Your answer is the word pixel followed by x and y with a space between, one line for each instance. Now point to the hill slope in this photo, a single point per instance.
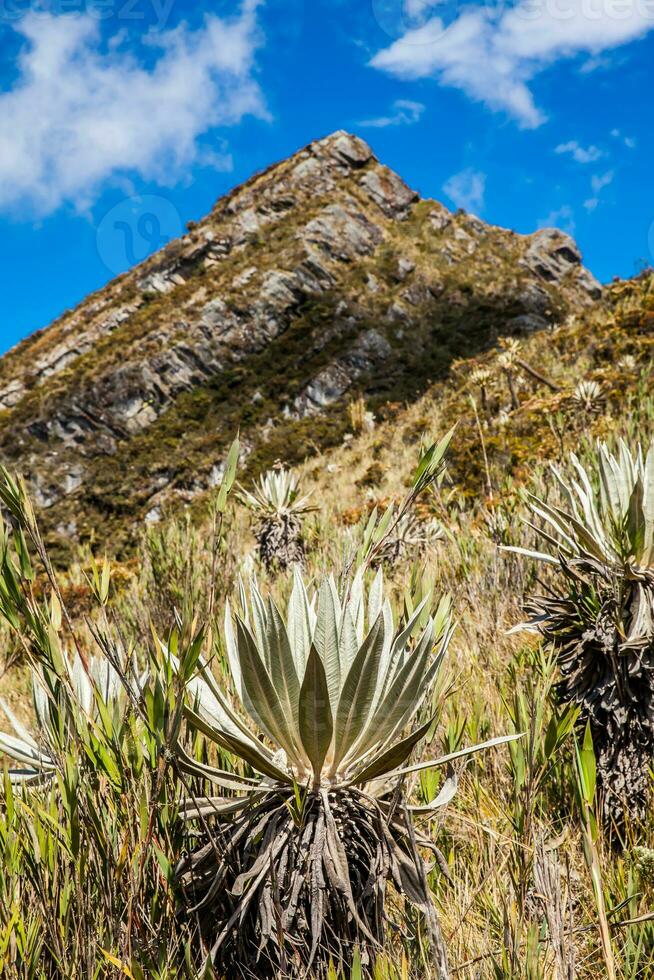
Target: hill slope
pixel 593 380
pixel 389 320
pixel 319 279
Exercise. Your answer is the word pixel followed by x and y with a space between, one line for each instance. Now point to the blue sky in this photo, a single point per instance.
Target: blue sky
pixel 120 120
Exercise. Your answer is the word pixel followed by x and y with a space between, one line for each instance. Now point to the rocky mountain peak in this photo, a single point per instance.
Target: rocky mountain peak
pixel 323 277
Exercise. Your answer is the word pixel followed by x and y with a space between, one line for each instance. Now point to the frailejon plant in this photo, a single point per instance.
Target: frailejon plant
pixel 507 361
pixel 87 820
pixel 92 688
pixel 292 863
pixel 589 397
pixel 276 502
pixel 410 539
pixel 599 615
pixel 74 697
pixel 481 378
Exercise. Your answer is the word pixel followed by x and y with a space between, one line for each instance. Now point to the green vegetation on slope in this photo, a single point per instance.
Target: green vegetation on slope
pixel 324 274
pixel 529 881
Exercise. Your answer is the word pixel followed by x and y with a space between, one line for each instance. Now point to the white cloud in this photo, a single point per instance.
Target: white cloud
pixel 493 53
pixel 80 112
pixel 595 64
pixel 467 189
pixel 562 218
pixel 598 182
pixel 403 113
pixel 580 154
pixel 628 141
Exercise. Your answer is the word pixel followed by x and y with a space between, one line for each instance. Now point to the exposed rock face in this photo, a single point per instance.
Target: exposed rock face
pixel 388 191
pixel 342 234
pixel 553 255
pixel 370 350
pixel 320 278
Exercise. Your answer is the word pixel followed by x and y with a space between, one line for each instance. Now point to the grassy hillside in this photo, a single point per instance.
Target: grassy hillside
pixel 523 884
pixel 321 279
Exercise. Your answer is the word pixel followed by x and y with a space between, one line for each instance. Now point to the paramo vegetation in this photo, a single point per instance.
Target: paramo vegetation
pixel 345 724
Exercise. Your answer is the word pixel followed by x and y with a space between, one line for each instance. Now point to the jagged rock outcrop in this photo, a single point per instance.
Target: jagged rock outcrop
pixel 320 278
pixel 552 255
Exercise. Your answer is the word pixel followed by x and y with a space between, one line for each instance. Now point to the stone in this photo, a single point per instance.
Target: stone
pixel 11 394
pixel 73 480
pixel 587 281
pixel 397 313
pixel 68 530
pixel 308 167
pixel 312 275
pixel 552 255
pixel 468 241
pixel 156 282
pixel 416 294
pixel 215 313
pixel 534 298
pixel 249 222
pixel 337 378
pixel 527 323
pixel 475 225
pixel 350 149
pixel 279 289
pixel 59 359
pixel 440 218
pixel 245 277
pixel 344 234
pixel 43 496
pixel 388 191
pixel 436 287
pixel 404 268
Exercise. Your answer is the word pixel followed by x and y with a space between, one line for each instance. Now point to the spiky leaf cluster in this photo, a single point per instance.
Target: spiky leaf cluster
pixel 588 395
pixel 410 538
pixel 294 861
pixel 92 687
pixel 276 492
pixel 279 508
pixel 600 614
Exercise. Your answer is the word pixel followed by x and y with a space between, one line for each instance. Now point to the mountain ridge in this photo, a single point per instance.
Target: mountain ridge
pixel 320 278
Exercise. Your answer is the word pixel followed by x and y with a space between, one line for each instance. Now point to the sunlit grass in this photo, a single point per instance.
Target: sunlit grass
pixel 527 882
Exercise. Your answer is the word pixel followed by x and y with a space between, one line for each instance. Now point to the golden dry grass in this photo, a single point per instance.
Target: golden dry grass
pixel 517 900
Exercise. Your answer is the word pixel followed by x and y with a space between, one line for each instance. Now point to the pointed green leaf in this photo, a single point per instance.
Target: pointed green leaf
pixel 391 758
pixel 325 637
pixel 300 623
pixel 356 700
pixel 316 723
pixel 461 754
pixel 245 750
pixel 228 477
pixel 257 683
